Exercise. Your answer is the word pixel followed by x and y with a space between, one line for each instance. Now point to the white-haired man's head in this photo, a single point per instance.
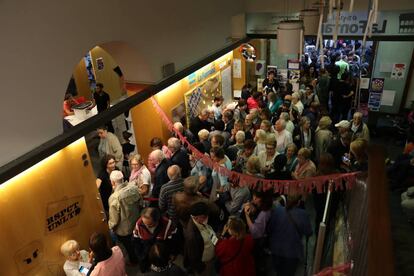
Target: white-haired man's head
pixel 174 144
pixel 280 125
pixel 240 137
pixel 174 172
pixel 179 126
pixel 156 156
pixel 116 177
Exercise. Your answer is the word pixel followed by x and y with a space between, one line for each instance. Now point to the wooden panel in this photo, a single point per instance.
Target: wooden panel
pixel 380 256
pixel 49 203
pixel 81 79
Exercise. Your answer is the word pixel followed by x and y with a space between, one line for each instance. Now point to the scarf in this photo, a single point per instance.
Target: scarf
pixel 135 174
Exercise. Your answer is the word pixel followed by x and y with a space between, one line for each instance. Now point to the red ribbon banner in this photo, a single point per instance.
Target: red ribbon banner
pixel 338 181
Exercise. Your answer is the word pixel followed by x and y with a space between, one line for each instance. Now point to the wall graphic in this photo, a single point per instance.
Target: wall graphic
pixel 202 96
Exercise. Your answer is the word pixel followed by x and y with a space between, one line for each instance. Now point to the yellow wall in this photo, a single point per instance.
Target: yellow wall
pixel 107 76
pixel 239 83
pixel 147 123
pixel 81 80
pixel 33 196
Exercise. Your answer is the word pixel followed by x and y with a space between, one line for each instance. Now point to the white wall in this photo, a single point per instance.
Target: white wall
pixel 296 5
pixel 43 40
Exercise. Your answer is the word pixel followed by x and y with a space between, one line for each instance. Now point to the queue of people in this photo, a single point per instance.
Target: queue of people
pixel 174 204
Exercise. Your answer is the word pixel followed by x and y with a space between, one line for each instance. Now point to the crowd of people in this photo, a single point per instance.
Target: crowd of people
pixel 174 204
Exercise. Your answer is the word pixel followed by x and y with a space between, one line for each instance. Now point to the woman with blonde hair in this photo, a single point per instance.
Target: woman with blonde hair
pixel 253 166
pixel 70 249
pixel 267 157
pixel 260 139
pixel 323 137
pixel 359 152
pixel 305 167
pixel 235 253
pixel 140 175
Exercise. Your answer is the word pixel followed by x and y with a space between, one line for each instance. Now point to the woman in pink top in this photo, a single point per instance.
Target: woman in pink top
pixel 105 261
pixel 253 101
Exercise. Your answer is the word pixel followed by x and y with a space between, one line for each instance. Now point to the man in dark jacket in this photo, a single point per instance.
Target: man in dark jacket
pixel 200 122
pixel 161 176
pixel 200 240
pixel 179 156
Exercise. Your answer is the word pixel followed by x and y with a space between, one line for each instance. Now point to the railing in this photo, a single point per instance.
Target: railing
pixel 356 226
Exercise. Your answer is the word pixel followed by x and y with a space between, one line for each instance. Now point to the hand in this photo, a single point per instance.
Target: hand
pixel 90 257
pixel 246 208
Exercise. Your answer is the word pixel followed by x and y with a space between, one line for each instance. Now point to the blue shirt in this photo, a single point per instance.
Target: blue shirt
pixel 285 240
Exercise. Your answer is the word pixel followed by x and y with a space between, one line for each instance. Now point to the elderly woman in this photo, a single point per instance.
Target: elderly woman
pixel 219 180
pixel 323 137
pixel 291 160
pixel 303 136
pixel 289 124
pixel 70 249
pixel 203 136
pixel 253 166
pixel 260 139
pixel 267 157
pixel 243 156
pixel 140 175
pixel 359 155
pixel 273 102
pixel 305 167
pixel 238 248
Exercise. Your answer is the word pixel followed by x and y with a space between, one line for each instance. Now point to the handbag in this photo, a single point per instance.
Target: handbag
pixel 218 265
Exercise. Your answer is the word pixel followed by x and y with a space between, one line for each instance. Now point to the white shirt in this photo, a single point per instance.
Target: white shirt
pixel 290 126
pixel 283 139
pixel 71 268
pixel 299 106
pixel 217 111
pixel 208 234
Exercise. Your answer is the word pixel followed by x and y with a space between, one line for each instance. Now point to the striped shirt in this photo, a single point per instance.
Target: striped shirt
pixel 167 192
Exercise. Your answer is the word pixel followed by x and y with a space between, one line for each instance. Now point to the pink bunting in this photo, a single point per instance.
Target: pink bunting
pixel 339 181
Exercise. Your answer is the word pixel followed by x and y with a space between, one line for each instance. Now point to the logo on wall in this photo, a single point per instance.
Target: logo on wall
pixel 63 214
pixel 29 257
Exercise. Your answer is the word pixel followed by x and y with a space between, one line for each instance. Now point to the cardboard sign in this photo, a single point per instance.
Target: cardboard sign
pixel 63 214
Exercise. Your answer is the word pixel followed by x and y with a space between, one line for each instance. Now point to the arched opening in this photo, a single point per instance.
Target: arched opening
pixel 101 79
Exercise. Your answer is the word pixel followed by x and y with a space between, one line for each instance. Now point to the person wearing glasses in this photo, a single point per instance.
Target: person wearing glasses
pixel 70 249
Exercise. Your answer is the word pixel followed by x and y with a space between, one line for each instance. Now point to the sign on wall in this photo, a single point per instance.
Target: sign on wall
pixel 388 23
pixel 375 94
pixel 63 214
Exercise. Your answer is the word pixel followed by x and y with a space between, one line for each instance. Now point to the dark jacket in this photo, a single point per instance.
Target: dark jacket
pixel 229 126
pixel 193 247
pixel 298 137
pixel 196 125
pixel 180 158
pixel 161 177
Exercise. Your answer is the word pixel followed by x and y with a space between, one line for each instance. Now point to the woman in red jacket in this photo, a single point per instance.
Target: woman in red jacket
pixel 235 253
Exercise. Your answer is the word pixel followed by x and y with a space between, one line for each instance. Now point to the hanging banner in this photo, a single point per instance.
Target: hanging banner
pixel 319 183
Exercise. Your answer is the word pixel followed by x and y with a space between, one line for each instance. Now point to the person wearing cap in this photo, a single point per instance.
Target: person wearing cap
pixel 343 127
pixel 124 208
pixel 200 241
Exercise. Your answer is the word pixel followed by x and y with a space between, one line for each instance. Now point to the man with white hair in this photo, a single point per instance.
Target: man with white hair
pixel 358 128
pixel 168 191
pixel 124 209
pixel 185 132
pixel 179 156
pixel 296 102
pixel 232 151
pixel 283 137
pixel 161 163
pixel 200 122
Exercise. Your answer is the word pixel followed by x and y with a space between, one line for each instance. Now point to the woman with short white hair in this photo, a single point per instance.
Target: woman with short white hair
pixel 140 175
pixel 70 249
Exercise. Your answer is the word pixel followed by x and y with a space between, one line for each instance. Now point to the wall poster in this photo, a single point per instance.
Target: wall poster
pixel 226 85
pixel 237 68
pixel 398 71
pixel 202 96
pixel 375 94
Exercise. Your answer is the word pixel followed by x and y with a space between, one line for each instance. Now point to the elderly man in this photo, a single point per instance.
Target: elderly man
pixel 110 145
pixel 179 156
pixel 168 191
pixel 232 151
pixel 358 128
pixel 283 137
pixel 228 121
pixel 124 208
pixel 161 163
pixel 200 122
pixel 185 132
pixel 150 228
pixel 296 102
